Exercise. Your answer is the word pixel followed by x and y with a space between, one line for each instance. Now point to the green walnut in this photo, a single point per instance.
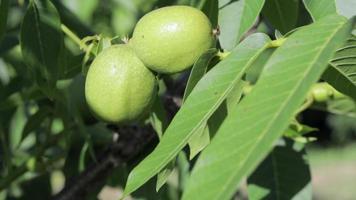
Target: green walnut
pixel 171 39
pixel 118 87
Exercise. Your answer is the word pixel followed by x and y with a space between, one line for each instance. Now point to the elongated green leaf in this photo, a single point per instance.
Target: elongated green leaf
pixel 4 6
pixel 211 9
pixel 199 69
pixel 341 73
pixel 158 117
pixel 205 98
pixel 199 140
pixel 41 41
pixel 235 19
pixel 254 72
pixel 164 174
pixel 284 174
pixel 259 120
pixel 282 14
pixel 320 8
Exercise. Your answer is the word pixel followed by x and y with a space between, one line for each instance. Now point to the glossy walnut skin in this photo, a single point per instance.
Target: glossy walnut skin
pixel 118 87
pixel 171 39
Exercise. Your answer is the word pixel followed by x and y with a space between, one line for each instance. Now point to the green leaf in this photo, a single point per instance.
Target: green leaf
pixel 235 19
pixel 158 117
pixel 320 8
pixel 341 73
pixel 199 69
pixel 205 98
pixel 35 120
pixel 41 41
pixel 254 72
pixel 282 14
pixel 284 174
pixel 4 6
pixel 263 115
pixel 164 174
pixel 211 9
pixel 199 140
pixel 69 65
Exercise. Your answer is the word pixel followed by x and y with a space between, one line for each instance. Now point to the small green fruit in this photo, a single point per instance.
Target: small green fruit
pixel 170 39
pixel 118 87
pixel 321 92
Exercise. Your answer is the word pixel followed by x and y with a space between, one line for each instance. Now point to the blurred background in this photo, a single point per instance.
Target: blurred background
pixel 332 155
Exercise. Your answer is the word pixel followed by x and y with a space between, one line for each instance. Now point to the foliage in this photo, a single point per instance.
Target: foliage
pixel 238 108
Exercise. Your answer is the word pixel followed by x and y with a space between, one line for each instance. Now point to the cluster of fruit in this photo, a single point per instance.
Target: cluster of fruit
pixel 120 84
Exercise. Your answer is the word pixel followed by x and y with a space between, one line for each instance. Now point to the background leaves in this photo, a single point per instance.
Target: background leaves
pixel 284 174
pixel 4 6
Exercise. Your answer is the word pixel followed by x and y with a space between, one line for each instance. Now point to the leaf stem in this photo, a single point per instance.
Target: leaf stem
pixel 74 37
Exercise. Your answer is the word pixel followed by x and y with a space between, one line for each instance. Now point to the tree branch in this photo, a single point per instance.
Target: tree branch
pixel 132 141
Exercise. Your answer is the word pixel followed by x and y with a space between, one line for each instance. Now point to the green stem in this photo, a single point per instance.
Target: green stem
pixel 71 35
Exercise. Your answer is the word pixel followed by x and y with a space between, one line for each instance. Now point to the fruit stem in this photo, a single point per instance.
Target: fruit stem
pixel 74 37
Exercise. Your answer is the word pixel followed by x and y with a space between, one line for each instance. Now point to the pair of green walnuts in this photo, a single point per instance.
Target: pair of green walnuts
pixel 120 86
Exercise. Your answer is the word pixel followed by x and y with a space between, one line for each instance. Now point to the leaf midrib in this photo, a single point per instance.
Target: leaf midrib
pixel 276 115
pixel 34 7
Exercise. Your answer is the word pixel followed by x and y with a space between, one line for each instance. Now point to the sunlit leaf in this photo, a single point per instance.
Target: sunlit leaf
pixel 205 98
pixel 235 19
pixel 251 129
pixel 320 8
